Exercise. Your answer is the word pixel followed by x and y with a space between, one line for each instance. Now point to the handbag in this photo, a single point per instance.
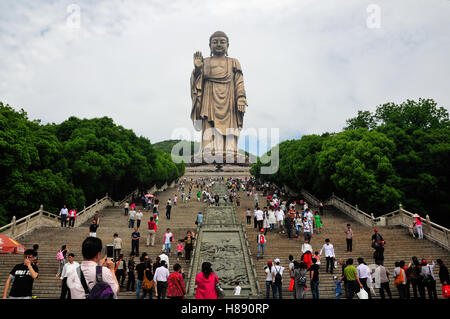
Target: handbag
pixel 446 291
pixel 291 285
pixel 147 284
pixel 219 289
pixel 362 294
pixel 179 287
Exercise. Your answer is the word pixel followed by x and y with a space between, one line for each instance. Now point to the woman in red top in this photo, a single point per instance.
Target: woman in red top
pixel 175 284
pixel 206 283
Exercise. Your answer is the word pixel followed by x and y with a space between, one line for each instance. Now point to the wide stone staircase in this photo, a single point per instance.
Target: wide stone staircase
pixel 399 246
pixel 112 220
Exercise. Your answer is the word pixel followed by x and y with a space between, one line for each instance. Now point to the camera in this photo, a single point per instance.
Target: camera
pixel 109 251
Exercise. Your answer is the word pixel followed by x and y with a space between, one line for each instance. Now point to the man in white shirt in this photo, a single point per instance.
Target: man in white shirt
pixel 164 257
pixel 63 214
pixel 131 218
pixel 259 214
pixel 329 254
pixel 364 275
pixel 126 206
pixel 279 214
pixel 139 215
pixel 69 267
pixel 160 279
pixel 91 250
pixel 309 216
pixel 277 269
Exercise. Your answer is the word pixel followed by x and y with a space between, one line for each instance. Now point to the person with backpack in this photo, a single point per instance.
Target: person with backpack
pixel 95 277
pixel 261 240
pixel 147 280
pixel 277 275
pixel 429 281
pixel 131 277
pixel 400 280
pixel 314 277
pixel 120 270
pixel 414 270
pixel 300 280
pixel 176 288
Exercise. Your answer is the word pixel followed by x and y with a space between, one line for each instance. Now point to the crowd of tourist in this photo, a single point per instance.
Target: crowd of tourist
pixel 280 214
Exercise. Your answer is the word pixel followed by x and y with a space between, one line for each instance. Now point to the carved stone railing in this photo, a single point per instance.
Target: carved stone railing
pixel 400 217
pixel 41 217
pixel 310 199
pixel 352 211
pixel 88 212
pixel 431 231
pixel 28 223
pixel 129 197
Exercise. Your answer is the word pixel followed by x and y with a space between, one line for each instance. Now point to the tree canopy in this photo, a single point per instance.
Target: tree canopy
pixel 73 163
pixel 398 154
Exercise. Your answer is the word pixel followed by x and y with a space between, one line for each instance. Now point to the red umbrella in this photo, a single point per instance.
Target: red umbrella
pixel 10 246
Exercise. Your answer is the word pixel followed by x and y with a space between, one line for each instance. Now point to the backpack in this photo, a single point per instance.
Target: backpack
pixel 277 278
pixel 101 289
pixel 428 279
pixel 261 239
pixel 301 279
pixel 60 255
pixel 146 283
pixel 400 278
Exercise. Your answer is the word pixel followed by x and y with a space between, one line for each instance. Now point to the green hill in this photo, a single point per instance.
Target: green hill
pixel 167 146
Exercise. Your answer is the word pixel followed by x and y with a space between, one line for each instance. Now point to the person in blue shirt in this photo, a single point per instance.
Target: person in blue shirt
pixel 337 287
pixel 200 219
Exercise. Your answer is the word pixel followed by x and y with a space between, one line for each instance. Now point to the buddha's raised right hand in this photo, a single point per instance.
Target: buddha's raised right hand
pixel 198 60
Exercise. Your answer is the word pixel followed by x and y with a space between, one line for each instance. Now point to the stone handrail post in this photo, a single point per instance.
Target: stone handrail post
pixel 428 225
pixel 373 219
pixel 13 226
pixel 41 210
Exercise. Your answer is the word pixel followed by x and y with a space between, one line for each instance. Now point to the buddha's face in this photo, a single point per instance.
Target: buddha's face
pixel 219 45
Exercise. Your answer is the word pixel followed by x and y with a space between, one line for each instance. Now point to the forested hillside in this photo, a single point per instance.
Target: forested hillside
pixel 399 154
pixel 73 163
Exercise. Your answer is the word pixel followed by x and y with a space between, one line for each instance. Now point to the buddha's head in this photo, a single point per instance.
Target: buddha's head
pixel 218 43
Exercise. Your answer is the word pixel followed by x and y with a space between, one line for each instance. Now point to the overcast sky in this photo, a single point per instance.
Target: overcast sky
pixel 308 65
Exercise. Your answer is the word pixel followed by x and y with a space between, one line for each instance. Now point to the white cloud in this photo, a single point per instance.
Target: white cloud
pixel 308 65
